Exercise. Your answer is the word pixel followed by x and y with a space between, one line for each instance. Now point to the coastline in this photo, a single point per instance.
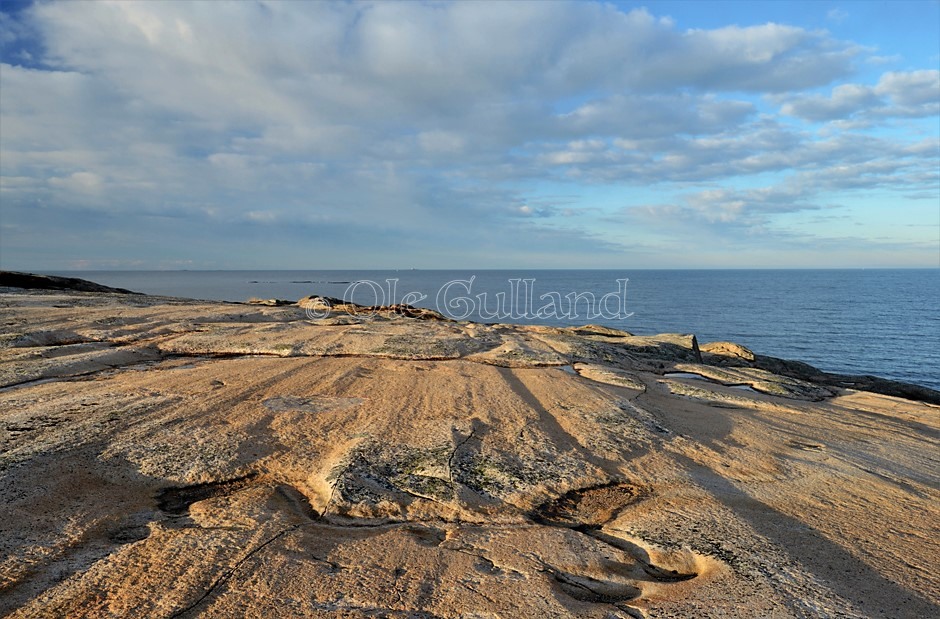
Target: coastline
pixel 520 292
pixel 840 321
pixel 590 470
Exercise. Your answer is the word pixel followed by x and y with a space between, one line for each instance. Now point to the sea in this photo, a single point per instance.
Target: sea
pixel 884 322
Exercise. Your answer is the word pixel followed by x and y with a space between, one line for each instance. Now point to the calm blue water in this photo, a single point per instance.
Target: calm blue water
pixel 882 322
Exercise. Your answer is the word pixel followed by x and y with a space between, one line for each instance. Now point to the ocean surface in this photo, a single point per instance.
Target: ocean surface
pixel 884 322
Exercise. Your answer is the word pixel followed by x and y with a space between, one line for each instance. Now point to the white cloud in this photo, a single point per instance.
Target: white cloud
pixel 912 94
pixel 426 119
pixel 845 100
pixel 751 208
pixel 632 116
pixel 911 88
pixel 84 182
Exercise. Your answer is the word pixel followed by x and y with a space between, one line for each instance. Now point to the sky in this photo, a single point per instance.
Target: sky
pixel 318 135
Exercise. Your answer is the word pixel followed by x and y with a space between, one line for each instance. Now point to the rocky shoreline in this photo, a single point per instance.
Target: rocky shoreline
pixel 166 458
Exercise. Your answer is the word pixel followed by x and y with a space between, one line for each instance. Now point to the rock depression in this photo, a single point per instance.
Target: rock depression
pixel 170 458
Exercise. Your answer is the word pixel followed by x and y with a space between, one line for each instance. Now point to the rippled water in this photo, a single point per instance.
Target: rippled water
pixel 882 322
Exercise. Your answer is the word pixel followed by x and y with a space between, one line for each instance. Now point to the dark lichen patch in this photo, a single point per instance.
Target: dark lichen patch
pixel 425 486
pixel 414 461
pixel 375 471
pixel 486 475
pixel 502 474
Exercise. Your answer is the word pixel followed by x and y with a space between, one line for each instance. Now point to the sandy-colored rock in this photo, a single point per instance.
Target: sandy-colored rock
pixel 167 458
pixel 728 349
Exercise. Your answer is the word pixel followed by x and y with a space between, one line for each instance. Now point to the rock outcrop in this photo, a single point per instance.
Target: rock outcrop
pixel 14 279
pixel 318 306
pixel 171 458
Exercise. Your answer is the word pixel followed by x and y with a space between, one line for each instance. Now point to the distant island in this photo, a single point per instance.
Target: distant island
pixel 167 457
pixel 31 281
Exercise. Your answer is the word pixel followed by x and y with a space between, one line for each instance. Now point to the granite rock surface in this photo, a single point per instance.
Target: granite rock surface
pixel 170 458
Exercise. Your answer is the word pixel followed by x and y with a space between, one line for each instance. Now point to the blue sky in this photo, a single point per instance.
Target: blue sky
pixel 296 135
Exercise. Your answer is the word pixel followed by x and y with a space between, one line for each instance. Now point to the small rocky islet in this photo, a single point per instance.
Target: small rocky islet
pixel 163 457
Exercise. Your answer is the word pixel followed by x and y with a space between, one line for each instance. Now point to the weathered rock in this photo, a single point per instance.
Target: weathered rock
pixel 610 376
pixel 759 380
pixel 323 307
pixel 728 349
pixel 170 458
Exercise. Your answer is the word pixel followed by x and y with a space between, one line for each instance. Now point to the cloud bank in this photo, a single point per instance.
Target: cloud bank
pixel 305 135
